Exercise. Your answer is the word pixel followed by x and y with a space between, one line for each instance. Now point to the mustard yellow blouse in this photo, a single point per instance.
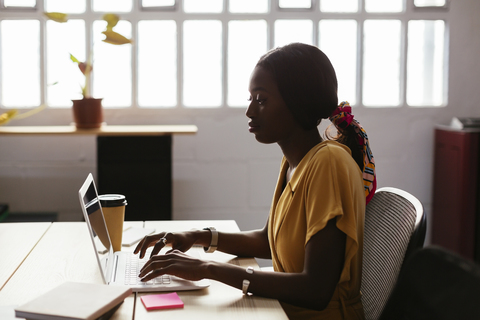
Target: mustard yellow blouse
pixel 327 184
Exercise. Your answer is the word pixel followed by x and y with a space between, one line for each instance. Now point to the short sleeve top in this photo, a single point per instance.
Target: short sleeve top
pixel 327 184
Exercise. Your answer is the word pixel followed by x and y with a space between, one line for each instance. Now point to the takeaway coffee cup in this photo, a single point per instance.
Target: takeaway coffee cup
pixel 113 207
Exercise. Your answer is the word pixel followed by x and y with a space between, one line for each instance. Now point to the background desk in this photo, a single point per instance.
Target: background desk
pixel 62 251
pixel 132 160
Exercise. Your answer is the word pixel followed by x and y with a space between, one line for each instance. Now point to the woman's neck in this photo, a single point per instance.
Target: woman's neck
pixel 298 146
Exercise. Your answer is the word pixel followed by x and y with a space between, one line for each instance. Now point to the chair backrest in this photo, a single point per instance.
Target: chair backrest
pixel 435 284
pixel 395 227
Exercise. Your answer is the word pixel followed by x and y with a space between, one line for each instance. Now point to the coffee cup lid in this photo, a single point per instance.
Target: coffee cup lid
pixel 112 200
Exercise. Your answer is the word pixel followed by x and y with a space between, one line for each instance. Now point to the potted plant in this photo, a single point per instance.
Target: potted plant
pixel 88 111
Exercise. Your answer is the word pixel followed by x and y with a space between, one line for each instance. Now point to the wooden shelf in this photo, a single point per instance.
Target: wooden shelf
pixel 105 130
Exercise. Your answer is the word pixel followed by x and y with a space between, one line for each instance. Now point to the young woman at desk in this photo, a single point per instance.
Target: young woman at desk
pixel 314 233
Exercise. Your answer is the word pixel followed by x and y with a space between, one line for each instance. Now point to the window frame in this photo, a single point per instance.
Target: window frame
pixel 274 13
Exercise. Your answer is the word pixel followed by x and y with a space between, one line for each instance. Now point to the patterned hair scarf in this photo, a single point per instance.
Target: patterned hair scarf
pixel 342 117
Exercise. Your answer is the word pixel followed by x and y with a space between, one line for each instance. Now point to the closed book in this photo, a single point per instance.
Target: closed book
pixel 75 301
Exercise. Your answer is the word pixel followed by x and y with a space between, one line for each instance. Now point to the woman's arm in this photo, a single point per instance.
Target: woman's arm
pixel 244 244
pixel 312 288
pixel 247 243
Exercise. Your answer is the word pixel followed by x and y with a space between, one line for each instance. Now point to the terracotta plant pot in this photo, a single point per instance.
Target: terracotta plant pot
pixel 88 113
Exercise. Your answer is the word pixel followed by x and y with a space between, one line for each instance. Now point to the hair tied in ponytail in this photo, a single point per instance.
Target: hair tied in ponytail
pixel 342 117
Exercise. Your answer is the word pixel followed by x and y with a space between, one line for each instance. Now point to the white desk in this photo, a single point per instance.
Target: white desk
pixel 16 242
pixel 64 253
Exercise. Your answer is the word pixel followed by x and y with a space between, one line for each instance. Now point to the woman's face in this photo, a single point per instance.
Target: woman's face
pixel 270 119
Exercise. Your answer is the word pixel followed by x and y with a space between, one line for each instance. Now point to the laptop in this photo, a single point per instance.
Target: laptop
pixel 122 268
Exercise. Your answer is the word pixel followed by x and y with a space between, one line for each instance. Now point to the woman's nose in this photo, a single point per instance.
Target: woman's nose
pixel 250 112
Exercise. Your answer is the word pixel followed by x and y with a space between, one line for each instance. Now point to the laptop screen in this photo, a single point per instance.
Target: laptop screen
pixel 93 214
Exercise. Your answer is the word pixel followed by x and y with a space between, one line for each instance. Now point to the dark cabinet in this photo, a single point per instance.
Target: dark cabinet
pixel 139 167
pixel 456 214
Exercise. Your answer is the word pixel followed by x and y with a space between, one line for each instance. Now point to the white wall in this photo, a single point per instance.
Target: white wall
pixel 222 172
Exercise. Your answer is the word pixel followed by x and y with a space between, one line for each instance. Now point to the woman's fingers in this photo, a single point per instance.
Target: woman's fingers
pixel 162 242
pixel 153 275
pixel 153 267
pixel 175 263
pixel 147 242
pixel 182 241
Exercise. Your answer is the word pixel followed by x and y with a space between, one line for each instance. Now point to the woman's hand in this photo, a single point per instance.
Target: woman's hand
pixel 181 241
pixel 174 263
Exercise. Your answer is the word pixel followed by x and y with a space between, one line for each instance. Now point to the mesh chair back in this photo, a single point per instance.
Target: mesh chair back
pixel 392 218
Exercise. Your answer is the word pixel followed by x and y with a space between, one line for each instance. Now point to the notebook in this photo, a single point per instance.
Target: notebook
pixel 115 267
pixel 75 301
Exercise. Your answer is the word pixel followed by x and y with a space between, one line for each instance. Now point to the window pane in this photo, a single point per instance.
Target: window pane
pixel 243 54
pixel 295 3
pixel 64 39
pixel 77 6
pixel 20 3
pixel 381 64
pixel 112 67
pixel 338 40
pixel 384 6
pixel 20 63
pixel 112 5
pixel 425 66
pixel 158 3
pixel 202 6
pixel 202 61
pixel 339 5
pixel 429 3
pixel 157 63
pixel 248 6
pixel 288 31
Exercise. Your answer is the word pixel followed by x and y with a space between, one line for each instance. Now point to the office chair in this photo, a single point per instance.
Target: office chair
pixel 435 284
pixel 395 226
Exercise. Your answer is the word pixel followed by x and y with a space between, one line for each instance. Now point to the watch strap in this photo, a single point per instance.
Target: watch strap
pixel 246 282
pixel 213 242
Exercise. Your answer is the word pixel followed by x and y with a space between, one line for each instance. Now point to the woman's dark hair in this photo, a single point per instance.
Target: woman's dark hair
pixel 307 82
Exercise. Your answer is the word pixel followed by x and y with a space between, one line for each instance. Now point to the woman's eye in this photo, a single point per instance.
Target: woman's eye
pixel 259 99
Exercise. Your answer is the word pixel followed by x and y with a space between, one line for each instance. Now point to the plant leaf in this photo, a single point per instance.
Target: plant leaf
pixel 113 37
pixel 74 59
pixel 24 115
pixel 56 16
pixel 112 20
pixel 7 116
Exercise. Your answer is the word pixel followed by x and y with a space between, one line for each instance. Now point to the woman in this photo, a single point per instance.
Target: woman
pixel 314 233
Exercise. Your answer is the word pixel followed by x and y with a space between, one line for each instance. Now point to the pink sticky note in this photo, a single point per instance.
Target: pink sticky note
pixel 162 301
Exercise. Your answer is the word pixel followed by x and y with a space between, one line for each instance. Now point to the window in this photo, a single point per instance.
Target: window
pixel 197 54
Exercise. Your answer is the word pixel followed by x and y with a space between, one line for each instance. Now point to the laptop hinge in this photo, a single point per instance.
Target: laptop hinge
pixel 114 273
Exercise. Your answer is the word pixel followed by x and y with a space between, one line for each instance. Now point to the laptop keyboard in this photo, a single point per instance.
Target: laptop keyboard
pixel 134 264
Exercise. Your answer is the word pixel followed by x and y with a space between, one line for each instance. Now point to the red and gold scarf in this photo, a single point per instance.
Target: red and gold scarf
pixel 342 117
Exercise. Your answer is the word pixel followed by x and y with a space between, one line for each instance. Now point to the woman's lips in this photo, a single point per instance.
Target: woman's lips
pixel 252 127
